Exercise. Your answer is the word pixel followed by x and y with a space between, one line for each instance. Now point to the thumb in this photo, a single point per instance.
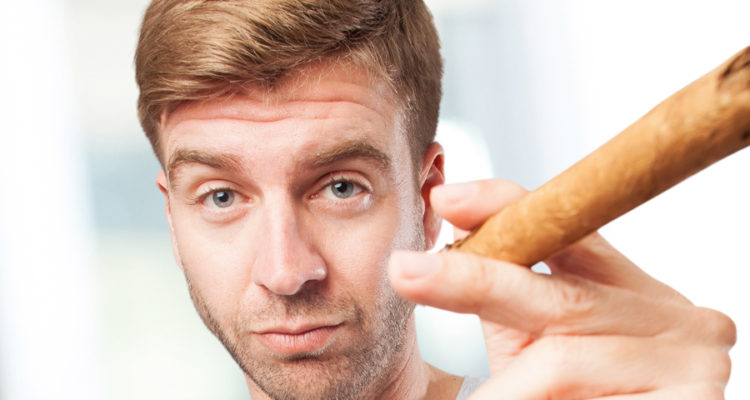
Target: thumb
pixel 454 281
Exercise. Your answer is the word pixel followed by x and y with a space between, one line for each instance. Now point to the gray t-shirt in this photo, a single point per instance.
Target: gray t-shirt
pixel 468 387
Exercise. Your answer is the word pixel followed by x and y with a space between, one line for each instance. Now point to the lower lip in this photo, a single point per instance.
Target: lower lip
pixel 290 344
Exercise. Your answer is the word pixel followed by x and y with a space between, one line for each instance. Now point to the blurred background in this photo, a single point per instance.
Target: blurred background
pixel 92 305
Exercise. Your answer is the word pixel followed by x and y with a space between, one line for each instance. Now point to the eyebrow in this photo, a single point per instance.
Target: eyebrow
pixel 233 163
pixel 349 150
pixel 183 156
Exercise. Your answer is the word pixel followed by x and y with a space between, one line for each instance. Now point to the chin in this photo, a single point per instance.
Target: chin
pixel 359 364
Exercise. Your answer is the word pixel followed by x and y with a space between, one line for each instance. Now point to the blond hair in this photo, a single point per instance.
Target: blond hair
pixel 194 50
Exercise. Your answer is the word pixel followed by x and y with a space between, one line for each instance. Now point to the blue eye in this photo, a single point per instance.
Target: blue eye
pixel 342 189
pixel 222 198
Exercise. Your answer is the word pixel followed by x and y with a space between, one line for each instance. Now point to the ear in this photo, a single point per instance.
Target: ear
pixel 161 182
pixel 431 175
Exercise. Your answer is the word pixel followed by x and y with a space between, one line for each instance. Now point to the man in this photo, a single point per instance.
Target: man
pixel 302 183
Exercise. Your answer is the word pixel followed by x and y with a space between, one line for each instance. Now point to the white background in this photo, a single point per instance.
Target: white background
pixel 91 305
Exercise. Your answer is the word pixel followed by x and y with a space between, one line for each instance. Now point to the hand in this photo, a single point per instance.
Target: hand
pixel 596 327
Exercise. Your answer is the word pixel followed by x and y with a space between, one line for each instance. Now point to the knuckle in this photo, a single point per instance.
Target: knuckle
pixel 572 299
pixel 721 365
pixel 709 364
pixel 483 283
pixel 717 326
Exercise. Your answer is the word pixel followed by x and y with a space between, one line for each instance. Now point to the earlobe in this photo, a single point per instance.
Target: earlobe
pixel 431 175
pixel 163 185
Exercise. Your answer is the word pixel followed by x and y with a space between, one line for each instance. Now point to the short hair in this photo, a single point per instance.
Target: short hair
pixel 197 50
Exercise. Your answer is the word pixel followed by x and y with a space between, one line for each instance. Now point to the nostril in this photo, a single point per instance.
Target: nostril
pixel 287 287
pixel 281 284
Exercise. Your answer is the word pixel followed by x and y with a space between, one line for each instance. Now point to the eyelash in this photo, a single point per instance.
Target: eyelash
pixel 330 180
pixel 337 178
pixel 203 195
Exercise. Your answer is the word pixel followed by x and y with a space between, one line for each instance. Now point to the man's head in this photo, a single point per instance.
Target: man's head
pixel 291 173
pixel 194 50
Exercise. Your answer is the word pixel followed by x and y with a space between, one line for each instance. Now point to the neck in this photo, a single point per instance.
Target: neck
pixel 414 379
pixel 410 376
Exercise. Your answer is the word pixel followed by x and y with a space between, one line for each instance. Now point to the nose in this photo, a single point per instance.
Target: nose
pixel 287 257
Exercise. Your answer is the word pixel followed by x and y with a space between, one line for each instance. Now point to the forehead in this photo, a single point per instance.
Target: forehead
pixel 320 105
pixel 319 82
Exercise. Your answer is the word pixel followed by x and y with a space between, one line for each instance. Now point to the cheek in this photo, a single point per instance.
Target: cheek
pixel 357 251
pixel 360 255
pixel 213 263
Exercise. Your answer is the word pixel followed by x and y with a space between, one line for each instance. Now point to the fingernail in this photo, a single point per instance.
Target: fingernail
pixel 455 192
pixel 412 265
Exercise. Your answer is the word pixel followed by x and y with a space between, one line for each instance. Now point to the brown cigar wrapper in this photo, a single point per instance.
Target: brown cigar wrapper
pixel 695 127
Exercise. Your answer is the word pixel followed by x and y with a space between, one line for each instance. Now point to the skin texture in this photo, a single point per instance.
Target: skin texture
pixel 288 275
pixel 292 278
pixel 598 327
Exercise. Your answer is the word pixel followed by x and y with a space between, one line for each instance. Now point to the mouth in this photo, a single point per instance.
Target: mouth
pixel 290 341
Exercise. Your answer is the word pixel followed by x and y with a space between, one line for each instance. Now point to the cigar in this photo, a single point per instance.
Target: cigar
pixel 695 127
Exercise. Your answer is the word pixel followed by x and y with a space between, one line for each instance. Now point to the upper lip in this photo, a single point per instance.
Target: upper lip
pixel 296 329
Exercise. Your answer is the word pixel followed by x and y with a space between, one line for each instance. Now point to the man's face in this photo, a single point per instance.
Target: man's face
pixel 284 208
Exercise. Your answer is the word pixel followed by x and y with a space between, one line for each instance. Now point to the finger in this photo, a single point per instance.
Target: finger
pixel 569 367
pixel 515 297
pixel 695 391
pixel 595 259
pixel 503 345
pixel 468 205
